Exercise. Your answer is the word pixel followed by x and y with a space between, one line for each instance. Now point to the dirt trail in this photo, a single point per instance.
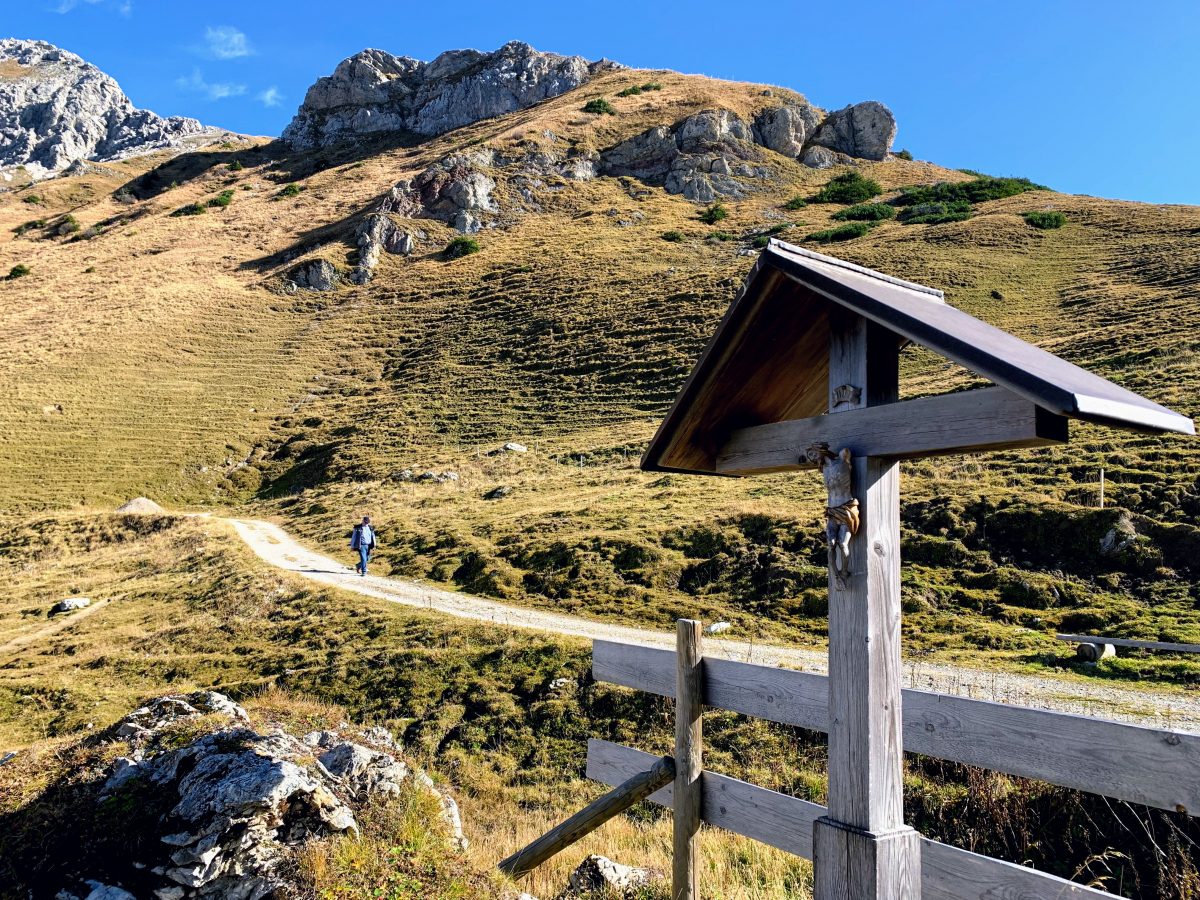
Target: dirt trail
pixel 1075 695
pixel 61 624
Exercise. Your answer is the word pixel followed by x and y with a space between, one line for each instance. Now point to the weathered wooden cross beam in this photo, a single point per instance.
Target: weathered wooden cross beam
pixel 991 418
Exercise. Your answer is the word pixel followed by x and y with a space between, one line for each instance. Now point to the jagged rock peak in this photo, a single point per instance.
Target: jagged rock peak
pixel 374 91
pixel 57 109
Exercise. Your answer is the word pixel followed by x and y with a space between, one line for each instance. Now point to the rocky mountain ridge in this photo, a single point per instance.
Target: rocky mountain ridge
pixel 374 91
pixel 57 109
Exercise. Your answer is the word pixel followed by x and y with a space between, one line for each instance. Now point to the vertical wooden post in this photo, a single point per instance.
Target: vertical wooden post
pixel 689 761
pixel 1102 487
pixel 862 850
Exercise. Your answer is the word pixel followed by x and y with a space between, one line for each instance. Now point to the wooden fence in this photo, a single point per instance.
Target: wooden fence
pixel 1151 766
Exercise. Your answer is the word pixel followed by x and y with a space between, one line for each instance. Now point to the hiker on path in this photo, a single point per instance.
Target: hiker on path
pixel 362 539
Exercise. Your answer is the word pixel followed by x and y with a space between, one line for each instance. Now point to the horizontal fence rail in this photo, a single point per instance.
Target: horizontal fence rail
pixel 1151 766
pixel 775 819
pixel 1164 646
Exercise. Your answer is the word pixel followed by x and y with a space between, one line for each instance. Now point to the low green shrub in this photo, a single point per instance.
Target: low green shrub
pixel 935 213
pixel 599 106
pixel 714 214
pixel 903 154
pixel 222 199
pixel 291 190
pixel 631 91
pixel 29 226
pixel 18 271
pixel 1045 219
pixel 192 209
pixel 760 241
pixel 796 203
pixel 720 236
pixel 850 187
pixel 979 190
pixel 68 225
pixel 235 166
pixel 866 212
pixel 675 237
pixel 460 247
pixel 31 198
pixel 846 232
pixel 651 86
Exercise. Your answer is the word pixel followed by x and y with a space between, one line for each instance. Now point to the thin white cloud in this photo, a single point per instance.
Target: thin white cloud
pixel 124 7
pixel 270 97
pixel 220 90
pixel 226 42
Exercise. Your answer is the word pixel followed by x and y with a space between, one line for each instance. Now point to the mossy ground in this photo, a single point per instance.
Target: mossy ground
pixel 482 707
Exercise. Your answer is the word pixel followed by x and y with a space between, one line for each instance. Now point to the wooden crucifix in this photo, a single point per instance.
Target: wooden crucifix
pixel 803 372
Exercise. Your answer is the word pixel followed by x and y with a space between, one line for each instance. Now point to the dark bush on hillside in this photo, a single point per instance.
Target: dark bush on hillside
pixel 796 203
pixel 714 214
pixel 866 212
pixel 675 237
pixel 848 188
pixel 18 271
pixel 599 106
pixel 29 226
pixel 934 213
pixel 903 154
pixel 631 91
pixel 847 232
pixel 68 225
pixel 222 199
pixel 31 198
pixel 291 190
pixel 235 166
pixel 460 247
pixel 651 86
pixel 980 190
pixel 1045 219
pixel 192 209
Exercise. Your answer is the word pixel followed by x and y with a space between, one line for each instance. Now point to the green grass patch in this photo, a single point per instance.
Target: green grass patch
pixel 222 199
pixel 68 225
pixel 20 270
pixel 192 209
pixel 675 237
pixel 714 214
pixel 850 187
pixel 460 247
pixel 235 166
pixel 600 106
pixel 1046 219
pixel 866 212
pixel 31 198
pixel 796 203
pixel 290 190
pixel 847 232
pixel 934 213
pixel 720 236
pixel 979 190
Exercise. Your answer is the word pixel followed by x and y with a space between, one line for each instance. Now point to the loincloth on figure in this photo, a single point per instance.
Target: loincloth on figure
pixel 844 514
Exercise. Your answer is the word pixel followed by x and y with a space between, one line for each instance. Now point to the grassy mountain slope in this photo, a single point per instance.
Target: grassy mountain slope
pixel 185 371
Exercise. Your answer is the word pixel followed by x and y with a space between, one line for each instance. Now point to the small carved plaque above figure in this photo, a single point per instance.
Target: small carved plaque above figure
pixel 846 393
pixel 841 512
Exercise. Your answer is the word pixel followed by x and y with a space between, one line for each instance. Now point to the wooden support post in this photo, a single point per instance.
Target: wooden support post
pixel 591 817
pixel 861 849
pixel 689 760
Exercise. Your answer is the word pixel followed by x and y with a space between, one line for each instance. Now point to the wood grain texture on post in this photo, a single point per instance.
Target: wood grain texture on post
pixel 689 758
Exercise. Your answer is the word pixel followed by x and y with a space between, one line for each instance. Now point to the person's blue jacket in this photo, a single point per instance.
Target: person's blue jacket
pixel 362 535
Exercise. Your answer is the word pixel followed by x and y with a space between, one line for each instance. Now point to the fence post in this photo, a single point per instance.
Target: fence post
pixel 689 761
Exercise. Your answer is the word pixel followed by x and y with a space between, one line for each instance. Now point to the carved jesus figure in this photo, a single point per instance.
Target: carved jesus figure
pixel 841 513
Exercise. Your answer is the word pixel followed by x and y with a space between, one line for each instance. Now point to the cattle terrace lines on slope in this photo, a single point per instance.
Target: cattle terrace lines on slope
pixel 275 546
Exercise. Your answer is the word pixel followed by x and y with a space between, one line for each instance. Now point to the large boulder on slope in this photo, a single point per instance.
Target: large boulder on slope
pixel 864 130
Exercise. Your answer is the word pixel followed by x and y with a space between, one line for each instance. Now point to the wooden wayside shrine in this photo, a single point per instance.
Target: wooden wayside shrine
pixel 803 372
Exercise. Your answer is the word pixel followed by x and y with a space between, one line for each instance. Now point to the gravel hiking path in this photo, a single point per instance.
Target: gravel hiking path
pixel 1073 695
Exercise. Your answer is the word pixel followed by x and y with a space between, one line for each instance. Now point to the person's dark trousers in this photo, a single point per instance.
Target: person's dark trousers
pixel 364 556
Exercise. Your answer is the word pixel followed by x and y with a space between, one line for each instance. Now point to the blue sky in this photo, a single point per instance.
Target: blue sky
pixel 1088 97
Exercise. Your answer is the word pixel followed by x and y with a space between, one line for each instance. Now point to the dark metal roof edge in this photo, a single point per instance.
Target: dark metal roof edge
pixel 776 247
pixel 1059 400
